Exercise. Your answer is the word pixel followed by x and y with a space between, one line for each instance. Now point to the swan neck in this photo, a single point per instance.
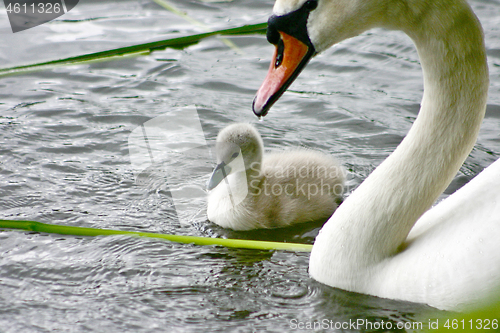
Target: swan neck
pixel 374 221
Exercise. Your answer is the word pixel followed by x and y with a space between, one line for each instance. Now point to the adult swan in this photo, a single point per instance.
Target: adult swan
pixel 451 257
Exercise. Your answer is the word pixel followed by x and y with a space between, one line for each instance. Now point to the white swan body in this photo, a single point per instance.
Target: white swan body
pixel 452 257
pixel 251 190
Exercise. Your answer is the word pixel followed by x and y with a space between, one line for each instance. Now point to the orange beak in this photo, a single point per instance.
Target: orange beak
pixel 290 57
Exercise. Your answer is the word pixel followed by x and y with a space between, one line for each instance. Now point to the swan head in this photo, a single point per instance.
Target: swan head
pixel 300 29
pixel 238 148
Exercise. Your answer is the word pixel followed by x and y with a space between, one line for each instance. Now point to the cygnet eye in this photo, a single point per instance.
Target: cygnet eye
pixel 311 5
pixel 235 155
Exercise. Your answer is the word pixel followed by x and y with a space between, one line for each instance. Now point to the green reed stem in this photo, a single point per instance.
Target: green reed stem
pixel 170 7
pixel 81 231
pixel 134 50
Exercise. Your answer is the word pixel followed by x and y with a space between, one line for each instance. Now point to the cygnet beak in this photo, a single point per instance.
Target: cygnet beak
pixel 221 171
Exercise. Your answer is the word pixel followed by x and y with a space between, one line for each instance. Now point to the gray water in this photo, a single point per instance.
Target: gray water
pixel 65 160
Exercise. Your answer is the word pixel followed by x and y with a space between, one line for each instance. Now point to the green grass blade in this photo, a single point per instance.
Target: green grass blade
pixel 80 231
pixel 134 50
pixel 169 6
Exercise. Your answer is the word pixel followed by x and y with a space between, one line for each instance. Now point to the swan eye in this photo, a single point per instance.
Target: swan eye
pixel 235 155
pixel 279 54
pixel 311 5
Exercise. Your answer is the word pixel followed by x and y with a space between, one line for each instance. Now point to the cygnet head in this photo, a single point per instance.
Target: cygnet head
pixel 239 147
pixel 238 138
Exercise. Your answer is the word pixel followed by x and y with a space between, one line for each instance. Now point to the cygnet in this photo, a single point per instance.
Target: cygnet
pixel 250 190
